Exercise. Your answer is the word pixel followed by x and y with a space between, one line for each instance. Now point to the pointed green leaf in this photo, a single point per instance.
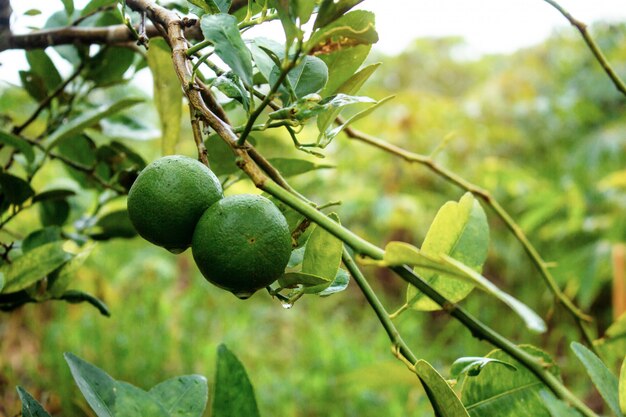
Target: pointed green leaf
pixel 33 266
pixel 183 396
pixel 60 279
pixel 472 366
pixel 556 407
pixel 168 95
pixel 329 135
pixel 442 397
pixel 212 6
pixel 41 64
pixel 291 279
pixel 222 31
pixel 131 401
pixel 30 406
pixel 15 189
pixel 234 394
pixel 290 167
pixel 41 237
pixel 89 118
pixel 322 255
pixel 115 224
pixel 287 16
pixel 75 297
pixel 331 10
pixel 20 144
pixel 69 6
pixel 340 283
pixel 109 65
pixel 499 391
pixel 459 230
pixel 602 378
pixel 306 78
pixel 342 65
pixel 230 85
pixel 354 28
pixel 259 49
pixel 622 381
pixel 97 386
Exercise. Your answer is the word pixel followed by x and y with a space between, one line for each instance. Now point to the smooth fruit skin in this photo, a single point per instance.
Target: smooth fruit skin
pixel 167 199
pixel 242 243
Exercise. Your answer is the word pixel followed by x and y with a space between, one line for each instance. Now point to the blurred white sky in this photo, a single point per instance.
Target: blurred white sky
pixel 489 26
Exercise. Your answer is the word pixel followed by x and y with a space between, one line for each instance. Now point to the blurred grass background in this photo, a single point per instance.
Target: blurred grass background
pixel 542 129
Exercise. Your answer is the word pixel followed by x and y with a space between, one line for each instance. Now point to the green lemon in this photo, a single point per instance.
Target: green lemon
pixel 167 199
pixel 242 243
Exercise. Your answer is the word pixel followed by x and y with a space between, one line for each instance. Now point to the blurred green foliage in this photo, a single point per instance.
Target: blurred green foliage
pixel 543 129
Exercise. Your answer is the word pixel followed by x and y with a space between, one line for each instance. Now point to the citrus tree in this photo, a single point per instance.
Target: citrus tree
pixel 237 92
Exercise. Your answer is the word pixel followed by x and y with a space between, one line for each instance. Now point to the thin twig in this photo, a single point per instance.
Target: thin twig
pixel 593 46
pixel 197 136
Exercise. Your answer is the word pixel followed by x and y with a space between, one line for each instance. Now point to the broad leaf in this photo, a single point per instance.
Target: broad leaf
pixel 19 144
pixel 222 31
pixel 15 189
pixel 221 156
pixel 292 279
pixel 290 167
pixel 168 95
pixel 41 64
pixel 287 16
pixel 500 391
pixel 33 266
pixel 115 224
pixel 342 65
pixel 233 394
pixel 97 386
pixel 134 402
pixel 41 237
pixel 622 386
pixel 60 279
pixel 30 406
pixel 87 119
pixel 69 6
pixel 109 65
pixel 230 85
pixel 331 10
pixel 308 77
pixel 212 6
pixel 459 230
pixel 556 407
pixel 442 397
pixel 472 366
pixel 259 49
pixel 54 194
pixel 322 255
pixel 602 378
pixel 340 283
pixel 353 28
pixel 183 396
pixel 351 86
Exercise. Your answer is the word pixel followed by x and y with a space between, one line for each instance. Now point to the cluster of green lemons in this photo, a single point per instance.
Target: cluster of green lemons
pixel 240 243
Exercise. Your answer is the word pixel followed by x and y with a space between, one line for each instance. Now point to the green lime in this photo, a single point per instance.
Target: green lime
pixel 242 243
pixel 167 199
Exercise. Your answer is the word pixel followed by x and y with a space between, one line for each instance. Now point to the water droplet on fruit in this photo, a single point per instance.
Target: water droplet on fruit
pixel 243 295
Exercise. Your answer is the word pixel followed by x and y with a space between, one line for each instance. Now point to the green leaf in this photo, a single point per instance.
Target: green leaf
pixel 32 12
pixel 32 266
pixel 329 135
pixel 30 406
pixel 350 86
pixel 134 402
pixel 54 212
pixel 183 396
pixel 340 283
pixel 287 16
pixel 41 64
pixel 292 279
pixel 109 65
pixel 499 391
pixel 330 10
pixel 306 78
pixel 69 6
pixel 168 95
pixel 259 49
pixel 234 394
pixel 230 85
pixel 115 224
pixel 221 156
pixel 97 386
pixel 93 5
pixel 602 378
pixel 54 194
pixel 472 366
pixel 612 345
pixel 353 28
pixel 88 119
pixel 222 31
pixel 33 84
pixel 212 6
pixel 15 189
pixel 2 281
pixel 442 397
pixel 322 255
pixel 290 167
pixel 41 237
pixel 622 382
pixel 20 144
pixel 75 297
pixel 533 321
pixel 459 230
pixel 60 279
pixel 305 9
pixel 342 65
pixel 556 407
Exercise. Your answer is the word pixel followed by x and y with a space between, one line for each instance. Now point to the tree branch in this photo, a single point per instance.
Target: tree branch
pixel 593 46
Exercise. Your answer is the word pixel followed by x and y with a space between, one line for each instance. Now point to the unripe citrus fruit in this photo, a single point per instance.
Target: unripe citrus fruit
pixel 167 199
pixel 242 243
